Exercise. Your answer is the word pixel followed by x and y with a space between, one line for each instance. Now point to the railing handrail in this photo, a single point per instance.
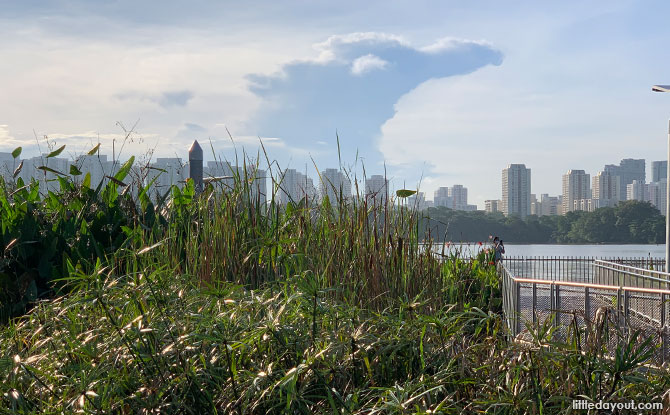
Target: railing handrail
pixel 629 269
pixel 589 285
pixel 659 261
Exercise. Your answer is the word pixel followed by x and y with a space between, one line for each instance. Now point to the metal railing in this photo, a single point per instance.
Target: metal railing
pixel 619 297
pixel 575 269
pixel 626 275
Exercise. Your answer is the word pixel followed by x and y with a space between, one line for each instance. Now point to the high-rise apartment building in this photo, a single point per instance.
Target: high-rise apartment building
pixel 492 206
pixel 550 205
pixel 98 166
pixel 46 179
pixel 627 170
pixel 441 197
pixel 659 170
pixel 417 201
pixel 606 189
pixel 7 166
pixel 334 184
pixel 576 186
pixel 376 189
pixel 637 191
pixel 459 195
pixel 516 190
pixel 167 171
pixel 295 186
pixel 658 194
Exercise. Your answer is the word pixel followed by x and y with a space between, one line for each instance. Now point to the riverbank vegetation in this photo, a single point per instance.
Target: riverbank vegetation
pixel 628 222
pixel 118 302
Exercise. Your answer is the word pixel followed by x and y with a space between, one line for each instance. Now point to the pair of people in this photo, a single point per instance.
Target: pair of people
pixel 498 249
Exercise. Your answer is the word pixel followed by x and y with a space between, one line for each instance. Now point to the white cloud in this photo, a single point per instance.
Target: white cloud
pixel 367 63
pixel 328 48
pixel 466 129
pixel 8 142
pixel 447 43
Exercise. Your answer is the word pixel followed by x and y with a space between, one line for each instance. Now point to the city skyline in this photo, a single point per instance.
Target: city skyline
pixel 580 190
pixel 445 94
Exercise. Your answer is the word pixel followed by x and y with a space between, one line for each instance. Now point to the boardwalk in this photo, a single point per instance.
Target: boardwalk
pixel 622 295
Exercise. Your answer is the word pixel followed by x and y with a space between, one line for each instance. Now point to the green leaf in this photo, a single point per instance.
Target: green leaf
pixel 74 171
pixel 405 193
pixel 123 171
pixel 56 152
pixel 94 150
pixel 17 152
pixel 87 181
pixel 49 169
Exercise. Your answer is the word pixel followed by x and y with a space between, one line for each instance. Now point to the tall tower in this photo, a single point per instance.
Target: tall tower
pixel 334 184
pixel 376 189
pixel 659 170
pixel 606 189
pixel 195 159
pixel 516 190
pixel 576 186
pixel 460 196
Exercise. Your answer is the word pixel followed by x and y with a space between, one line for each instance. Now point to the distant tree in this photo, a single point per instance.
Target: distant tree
pixel 628 222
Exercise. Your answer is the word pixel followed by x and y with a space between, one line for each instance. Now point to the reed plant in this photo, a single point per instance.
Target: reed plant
pixel 224 302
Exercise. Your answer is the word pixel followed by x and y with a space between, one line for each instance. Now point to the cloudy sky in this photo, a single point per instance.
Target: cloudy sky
pixel 432 92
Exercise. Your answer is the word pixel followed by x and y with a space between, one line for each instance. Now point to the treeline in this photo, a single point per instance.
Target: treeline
pixel 628 222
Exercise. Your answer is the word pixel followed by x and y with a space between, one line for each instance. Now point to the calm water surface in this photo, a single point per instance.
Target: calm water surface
pixel 607 251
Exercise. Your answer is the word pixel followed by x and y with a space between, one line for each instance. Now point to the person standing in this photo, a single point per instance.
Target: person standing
pixel 498 249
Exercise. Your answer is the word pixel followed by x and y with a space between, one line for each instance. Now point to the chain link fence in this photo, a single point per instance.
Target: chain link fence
pixel 608 301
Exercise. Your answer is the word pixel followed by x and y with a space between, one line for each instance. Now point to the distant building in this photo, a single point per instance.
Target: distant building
pixel 492 206
pixel 334 184
pixel 97 166
pixel 659 170
pixel 535 205
pixel 441 197
pixel 166 172
pixel 576 186
pixel 637 191
pixel 546 206
pixel 46 179
pixel 7 166
pixel 221 173
pixel 376 189
pixel 459 195
pixel 295 186
pixel 417 201
pixel 516 190
pixel 658 195
pixel 606 189
pixel 627 171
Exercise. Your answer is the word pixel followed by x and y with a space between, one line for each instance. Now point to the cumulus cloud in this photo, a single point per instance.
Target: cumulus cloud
pixel 7 141
pixel 350 88
pixel 175 98
pixel 367 63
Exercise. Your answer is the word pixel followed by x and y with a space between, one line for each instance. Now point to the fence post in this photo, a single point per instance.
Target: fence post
pixel 517 314
pixel 664 343
pixel 587 305
pixel 557 305
pixel 534 303
pixel 626 311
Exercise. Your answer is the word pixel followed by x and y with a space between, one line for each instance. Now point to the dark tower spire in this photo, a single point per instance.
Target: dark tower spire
pixel 195 165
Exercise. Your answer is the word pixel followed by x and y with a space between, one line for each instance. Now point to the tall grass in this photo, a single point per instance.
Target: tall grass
pixel 221 303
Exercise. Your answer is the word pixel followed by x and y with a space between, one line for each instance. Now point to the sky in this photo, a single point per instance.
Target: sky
pixel 430 93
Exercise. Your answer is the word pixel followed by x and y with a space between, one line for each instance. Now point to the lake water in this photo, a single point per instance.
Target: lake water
pixel 602 251
pixel 598 251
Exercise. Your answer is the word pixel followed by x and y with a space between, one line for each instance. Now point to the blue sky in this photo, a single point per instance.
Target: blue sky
pixel 436 92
